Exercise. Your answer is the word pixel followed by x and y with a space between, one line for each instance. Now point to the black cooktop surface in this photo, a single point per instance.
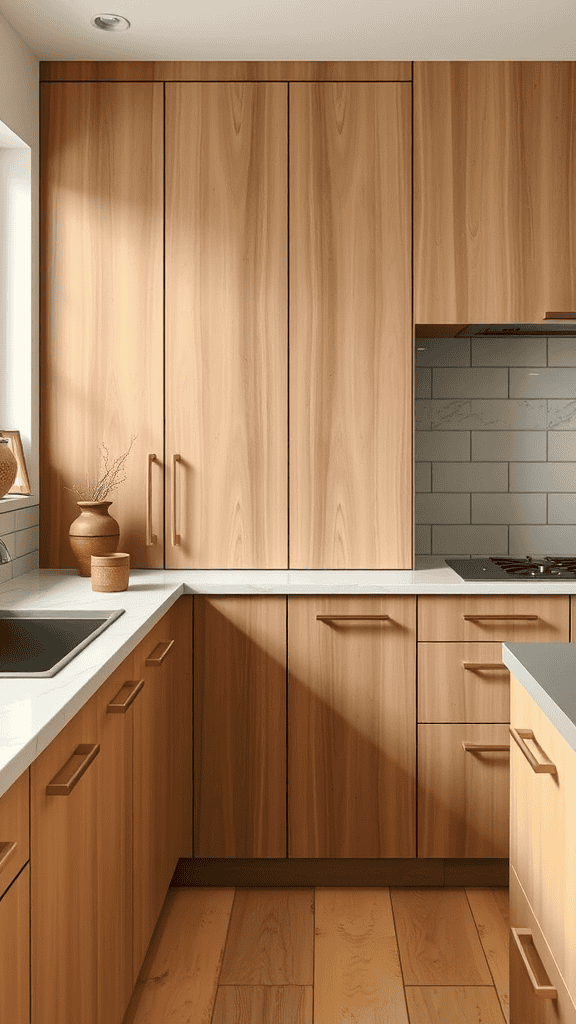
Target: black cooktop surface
pixel 536 568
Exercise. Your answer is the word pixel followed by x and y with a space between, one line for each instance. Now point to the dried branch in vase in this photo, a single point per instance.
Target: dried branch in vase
pixel 113 474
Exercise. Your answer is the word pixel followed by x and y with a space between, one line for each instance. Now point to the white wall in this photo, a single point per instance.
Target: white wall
pixel 19 400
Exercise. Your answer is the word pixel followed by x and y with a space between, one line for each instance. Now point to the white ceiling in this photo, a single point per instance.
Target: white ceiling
pixel 300 29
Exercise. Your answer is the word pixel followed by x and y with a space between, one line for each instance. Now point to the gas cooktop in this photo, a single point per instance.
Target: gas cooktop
pixel 546 568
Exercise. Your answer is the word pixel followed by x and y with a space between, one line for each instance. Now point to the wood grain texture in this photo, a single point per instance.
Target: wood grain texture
pixel 491 912
pixel 524 1004
pixel 101 305
pixel 179 976
pixel 442 618
pixel 226 324
pixel 433 1005
pixel 252 1004
pixel 14 828
pixel 225 70
pixel 357 968
pixel 15 951
pixel 449 692
pixel 437 938
pixel 270 938
pixel 543 831
pixel 114 848
pixel 351 728
pixel 463 803
pixel 180 625
pixel 350 327
pixel 240 727
pixel 64 883
pixel 494 192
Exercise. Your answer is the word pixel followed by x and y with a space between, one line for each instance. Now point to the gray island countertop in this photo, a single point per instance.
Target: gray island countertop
pixel 548 673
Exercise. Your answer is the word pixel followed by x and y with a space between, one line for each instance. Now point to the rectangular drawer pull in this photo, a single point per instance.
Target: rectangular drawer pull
pixel 124 698
pixel 543 767
pixel 352 618
pixel 63 783
pixel 478 748
pixel 159 653
pixel 475 666
pixel 503 618
pixel 523 938
pixel 6 852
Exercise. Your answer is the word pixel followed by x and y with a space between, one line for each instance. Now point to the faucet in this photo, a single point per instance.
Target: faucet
pixel 5 555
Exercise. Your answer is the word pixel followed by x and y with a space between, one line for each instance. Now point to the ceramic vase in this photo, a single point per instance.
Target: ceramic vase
pixel 8 467
pixel 94 532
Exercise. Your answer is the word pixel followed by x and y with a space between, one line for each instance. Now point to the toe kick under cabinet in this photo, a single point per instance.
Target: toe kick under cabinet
pixel 463 715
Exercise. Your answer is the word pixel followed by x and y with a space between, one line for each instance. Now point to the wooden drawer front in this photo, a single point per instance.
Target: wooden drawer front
pixel 462 683
pixel 525 1006
pixel 543 830
pixel 14 818
pixel 454 618
pixel 15 952
pixel 462 796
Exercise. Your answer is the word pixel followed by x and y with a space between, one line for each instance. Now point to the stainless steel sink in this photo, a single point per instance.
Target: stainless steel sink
pixel 41 643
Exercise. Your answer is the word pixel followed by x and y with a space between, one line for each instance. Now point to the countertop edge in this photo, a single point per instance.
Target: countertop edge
pixel 512 658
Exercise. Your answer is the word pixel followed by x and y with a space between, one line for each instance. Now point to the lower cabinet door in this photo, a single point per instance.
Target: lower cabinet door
pixel 351 726
pixel 463 801
pixel 64 878
pixel 15 951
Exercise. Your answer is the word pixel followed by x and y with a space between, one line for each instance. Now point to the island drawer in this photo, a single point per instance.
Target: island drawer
pixel 14 831
pixel 461 682
pixel 516 618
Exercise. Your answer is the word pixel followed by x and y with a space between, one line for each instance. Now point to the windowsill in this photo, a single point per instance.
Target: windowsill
pixel 13 501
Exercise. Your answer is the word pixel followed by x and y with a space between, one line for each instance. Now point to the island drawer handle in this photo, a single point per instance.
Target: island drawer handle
pixel 544 767
pixel 351 618
pixel 506 618
pixel 474 666
pixel 523 936
pixel 175 535
pixel 6 852
pixel 478 748
pixel 150 537
pixel 63 783
pixel 124 698
pixel 159 653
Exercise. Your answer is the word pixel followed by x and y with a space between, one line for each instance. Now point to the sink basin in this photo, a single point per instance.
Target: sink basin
pixel 41 643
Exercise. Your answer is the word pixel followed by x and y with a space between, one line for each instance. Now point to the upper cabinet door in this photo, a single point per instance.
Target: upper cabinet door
pixel 494 191
pixel 350 326
pixel 226 325
pixel 101 318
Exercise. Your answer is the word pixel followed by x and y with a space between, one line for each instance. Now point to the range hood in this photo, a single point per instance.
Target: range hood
pixel 558 327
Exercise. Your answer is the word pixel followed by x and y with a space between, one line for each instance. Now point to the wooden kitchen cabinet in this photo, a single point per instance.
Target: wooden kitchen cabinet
pixel 498 618
pixel 494 203
pixel 15 951
pixel 240 727
pixel 14 830
pixel 462 683
pixel 351 726
pixel 226 325
pixel 350 326
pixel 101 307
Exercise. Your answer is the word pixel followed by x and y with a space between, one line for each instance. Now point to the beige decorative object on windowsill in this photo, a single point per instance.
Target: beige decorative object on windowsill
pixel 110 573
pixel 21 483
pixel 8 467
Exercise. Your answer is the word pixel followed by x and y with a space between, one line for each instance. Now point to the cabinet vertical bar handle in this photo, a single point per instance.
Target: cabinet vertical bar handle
pixel 175 535
pixel 67 778
pixel 6 852
pixel 150 537
pixel 124 698
pixel 523 936
pixel 159 653
pixel 479 748
pixel 544 767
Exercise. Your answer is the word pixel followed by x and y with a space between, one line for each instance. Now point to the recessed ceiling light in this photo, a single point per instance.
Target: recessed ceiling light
pixel 110 22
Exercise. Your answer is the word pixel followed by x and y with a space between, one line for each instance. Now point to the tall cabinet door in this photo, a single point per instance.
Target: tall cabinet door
pixel 101 342
pixel 494 192
pixel 350 326
pixel 226 325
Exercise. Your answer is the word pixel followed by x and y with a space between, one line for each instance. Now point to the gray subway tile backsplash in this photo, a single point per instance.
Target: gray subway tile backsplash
pixel 423 382
pixel 496 474
pixel 19 531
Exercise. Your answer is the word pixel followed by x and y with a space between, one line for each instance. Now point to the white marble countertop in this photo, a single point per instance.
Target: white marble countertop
pixel 548 673
pixel 34 710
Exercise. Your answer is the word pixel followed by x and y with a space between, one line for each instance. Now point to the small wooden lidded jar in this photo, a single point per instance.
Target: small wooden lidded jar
pixel 110 572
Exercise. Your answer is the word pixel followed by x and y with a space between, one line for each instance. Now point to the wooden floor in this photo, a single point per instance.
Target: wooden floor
pixel 327 956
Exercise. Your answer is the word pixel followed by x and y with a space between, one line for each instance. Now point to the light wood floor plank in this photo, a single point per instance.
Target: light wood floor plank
pixel 270 940
pixel 357 977
pixel 179 976
pixel 491 911
pixel 437 938
pixel 259 1004
pixel 458 1005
